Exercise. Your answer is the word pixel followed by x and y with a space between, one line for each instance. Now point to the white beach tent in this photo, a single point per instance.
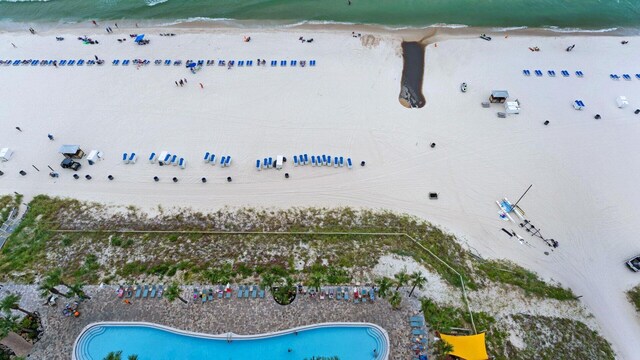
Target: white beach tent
pixel 512 107
pixel 5 154
pixel 622 101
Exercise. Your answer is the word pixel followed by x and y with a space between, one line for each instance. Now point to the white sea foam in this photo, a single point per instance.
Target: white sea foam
pixel 577 30
pixel 154 2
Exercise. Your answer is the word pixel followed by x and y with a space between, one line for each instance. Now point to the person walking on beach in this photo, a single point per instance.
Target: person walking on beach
pixel 176 83
pixel 18 128
pixel 116 24
pixel 181 82
pixel 14 45
pixel 94 22
pixel 201 86
pixel 185 80
pixel 50 137
pixel 96 56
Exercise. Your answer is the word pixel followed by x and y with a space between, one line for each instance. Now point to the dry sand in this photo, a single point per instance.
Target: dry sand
pixel 584 171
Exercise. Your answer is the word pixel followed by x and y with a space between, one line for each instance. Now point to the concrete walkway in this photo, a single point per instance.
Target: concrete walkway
pixel 17 343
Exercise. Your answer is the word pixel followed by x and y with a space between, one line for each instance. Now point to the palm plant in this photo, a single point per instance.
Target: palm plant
pixel 12 302
pixel 268 279
pixel 315 280
pixel 77 290
pixel 114 355
pixel 132 357
pixel 50 281
pixel 384 284
pixel 173 292
pixel 8 323
pixel 395 299
pixel 417 280
pixel 401 279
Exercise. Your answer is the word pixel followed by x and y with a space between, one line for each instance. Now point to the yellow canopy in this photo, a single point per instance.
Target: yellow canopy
pixel 467 347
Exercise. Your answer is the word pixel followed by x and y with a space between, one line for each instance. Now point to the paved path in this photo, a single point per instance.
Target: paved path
pixel 17 343
pixel 241 316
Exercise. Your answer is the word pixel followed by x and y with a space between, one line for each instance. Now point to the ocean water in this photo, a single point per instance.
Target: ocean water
pixel 565 14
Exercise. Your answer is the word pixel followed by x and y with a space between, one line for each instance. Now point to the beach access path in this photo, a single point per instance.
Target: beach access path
pixel 584 170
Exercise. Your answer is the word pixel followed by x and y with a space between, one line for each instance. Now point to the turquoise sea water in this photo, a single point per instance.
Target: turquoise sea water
pixel 150 343
pixel 582 14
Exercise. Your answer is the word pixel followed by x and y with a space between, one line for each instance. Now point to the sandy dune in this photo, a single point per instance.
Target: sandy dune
pixel 584 171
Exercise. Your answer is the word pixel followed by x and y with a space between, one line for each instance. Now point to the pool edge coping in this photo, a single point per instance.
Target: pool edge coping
pixel 224 336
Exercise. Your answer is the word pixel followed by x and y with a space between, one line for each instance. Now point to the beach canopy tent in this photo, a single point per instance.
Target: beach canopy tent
pixel 467 347
pixel 622 101
pixel 71 151
pixel 139 38
pixel 5 154
pixel 498 96
pixel 512 107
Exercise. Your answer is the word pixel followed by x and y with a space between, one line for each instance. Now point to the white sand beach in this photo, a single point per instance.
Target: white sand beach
pixel 583 170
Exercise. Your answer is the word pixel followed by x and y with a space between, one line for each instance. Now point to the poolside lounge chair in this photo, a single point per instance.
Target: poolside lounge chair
pixel 254 292
pixel 196 293
pixel 203 296
pixel 261 294
pixel 346 294
pixel 338 293
pixel 182 163
pixel 160 291
pixel 220 292
pixel 153 292
pixel 363 294
pixel 228 295
pixel 324 159
pixel 145 292
pixel 270 162
pixel 210 297
pixel 335 161
pixel 246 292
pixel 138 291
pixel 206 157
pixel 416 318
pixel 240 290
pixel 417 324
pixel 228 162
pixel 129 292
pixel 372 295
pixel 331 294
pixel 417 332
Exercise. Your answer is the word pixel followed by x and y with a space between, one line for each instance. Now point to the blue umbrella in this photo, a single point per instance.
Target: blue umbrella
pixel 190 65
pixel 139 38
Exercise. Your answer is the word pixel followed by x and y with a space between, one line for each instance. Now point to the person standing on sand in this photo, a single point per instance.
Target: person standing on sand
pixel 185 80
pixel 14 45
pixel 201 86
pixel 181 82
pixel 116 24
pixel 176 83
pixel 18 128
pixel 94 22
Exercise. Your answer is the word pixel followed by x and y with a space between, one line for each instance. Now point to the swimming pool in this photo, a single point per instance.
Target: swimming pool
pixel 347 341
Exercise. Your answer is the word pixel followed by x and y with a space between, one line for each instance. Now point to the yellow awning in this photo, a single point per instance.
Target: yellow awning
pixel 467 347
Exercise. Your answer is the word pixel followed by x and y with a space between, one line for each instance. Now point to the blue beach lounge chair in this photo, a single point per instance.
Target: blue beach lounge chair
pixel 258 167
pixel 212 159
pixel 182 163
pixel 565 73
pixel 341 163
pixel 206 157
pixel 133 158
pixel 626 77
pixel 274 63
pixel 551 73
pixel 240 63
pixel 174 160
pixel 295 160
pixel 283 62
pixel 313 160
pixel 349 164
pixel 71 62
pixel 306 159
pixel 125 62
pixel 538 73
pixel 579 73
pixel 62 62
pixel 249 62
pixel 526 72
pixel 80 62
pixel 167 62
pixel 312 63
pixel 125 158
pixel 638 76
pixel 293 62
pixel 115 62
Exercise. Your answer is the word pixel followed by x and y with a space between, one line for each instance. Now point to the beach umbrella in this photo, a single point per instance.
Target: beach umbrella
pixel 139 38
pixel 191 65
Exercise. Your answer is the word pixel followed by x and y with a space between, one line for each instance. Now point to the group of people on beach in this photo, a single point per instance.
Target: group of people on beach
pixel 182 82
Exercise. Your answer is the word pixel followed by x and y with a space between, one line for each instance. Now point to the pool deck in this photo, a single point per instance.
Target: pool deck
pixel 240 316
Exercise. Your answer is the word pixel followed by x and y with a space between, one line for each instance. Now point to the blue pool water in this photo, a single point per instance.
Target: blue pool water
pixel 347 342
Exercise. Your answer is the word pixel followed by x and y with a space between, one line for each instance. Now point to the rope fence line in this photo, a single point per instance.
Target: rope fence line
pixel 215 232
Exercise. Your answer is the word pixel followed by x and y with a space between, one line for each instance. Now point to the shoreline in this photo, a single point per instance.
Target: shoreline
pixel 409 33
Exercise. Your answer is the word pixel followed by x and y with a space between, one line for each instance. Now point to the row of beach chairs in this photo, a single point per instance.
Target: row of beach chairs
pixel 32 62
pixel 322 160
pixel 624 76
pixel 210 158
pixel 246 292
pixel 552 73
pixel 239 63
pixel 139 292
pixel 418 336
pixel 342 293
pixel 166 158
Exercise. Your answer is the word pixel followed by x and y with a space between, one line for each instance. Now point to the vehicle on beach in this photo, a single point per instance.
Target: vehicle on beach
pixel 67 163
pixel 485 37
pixel 463 87
pixel 634 263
